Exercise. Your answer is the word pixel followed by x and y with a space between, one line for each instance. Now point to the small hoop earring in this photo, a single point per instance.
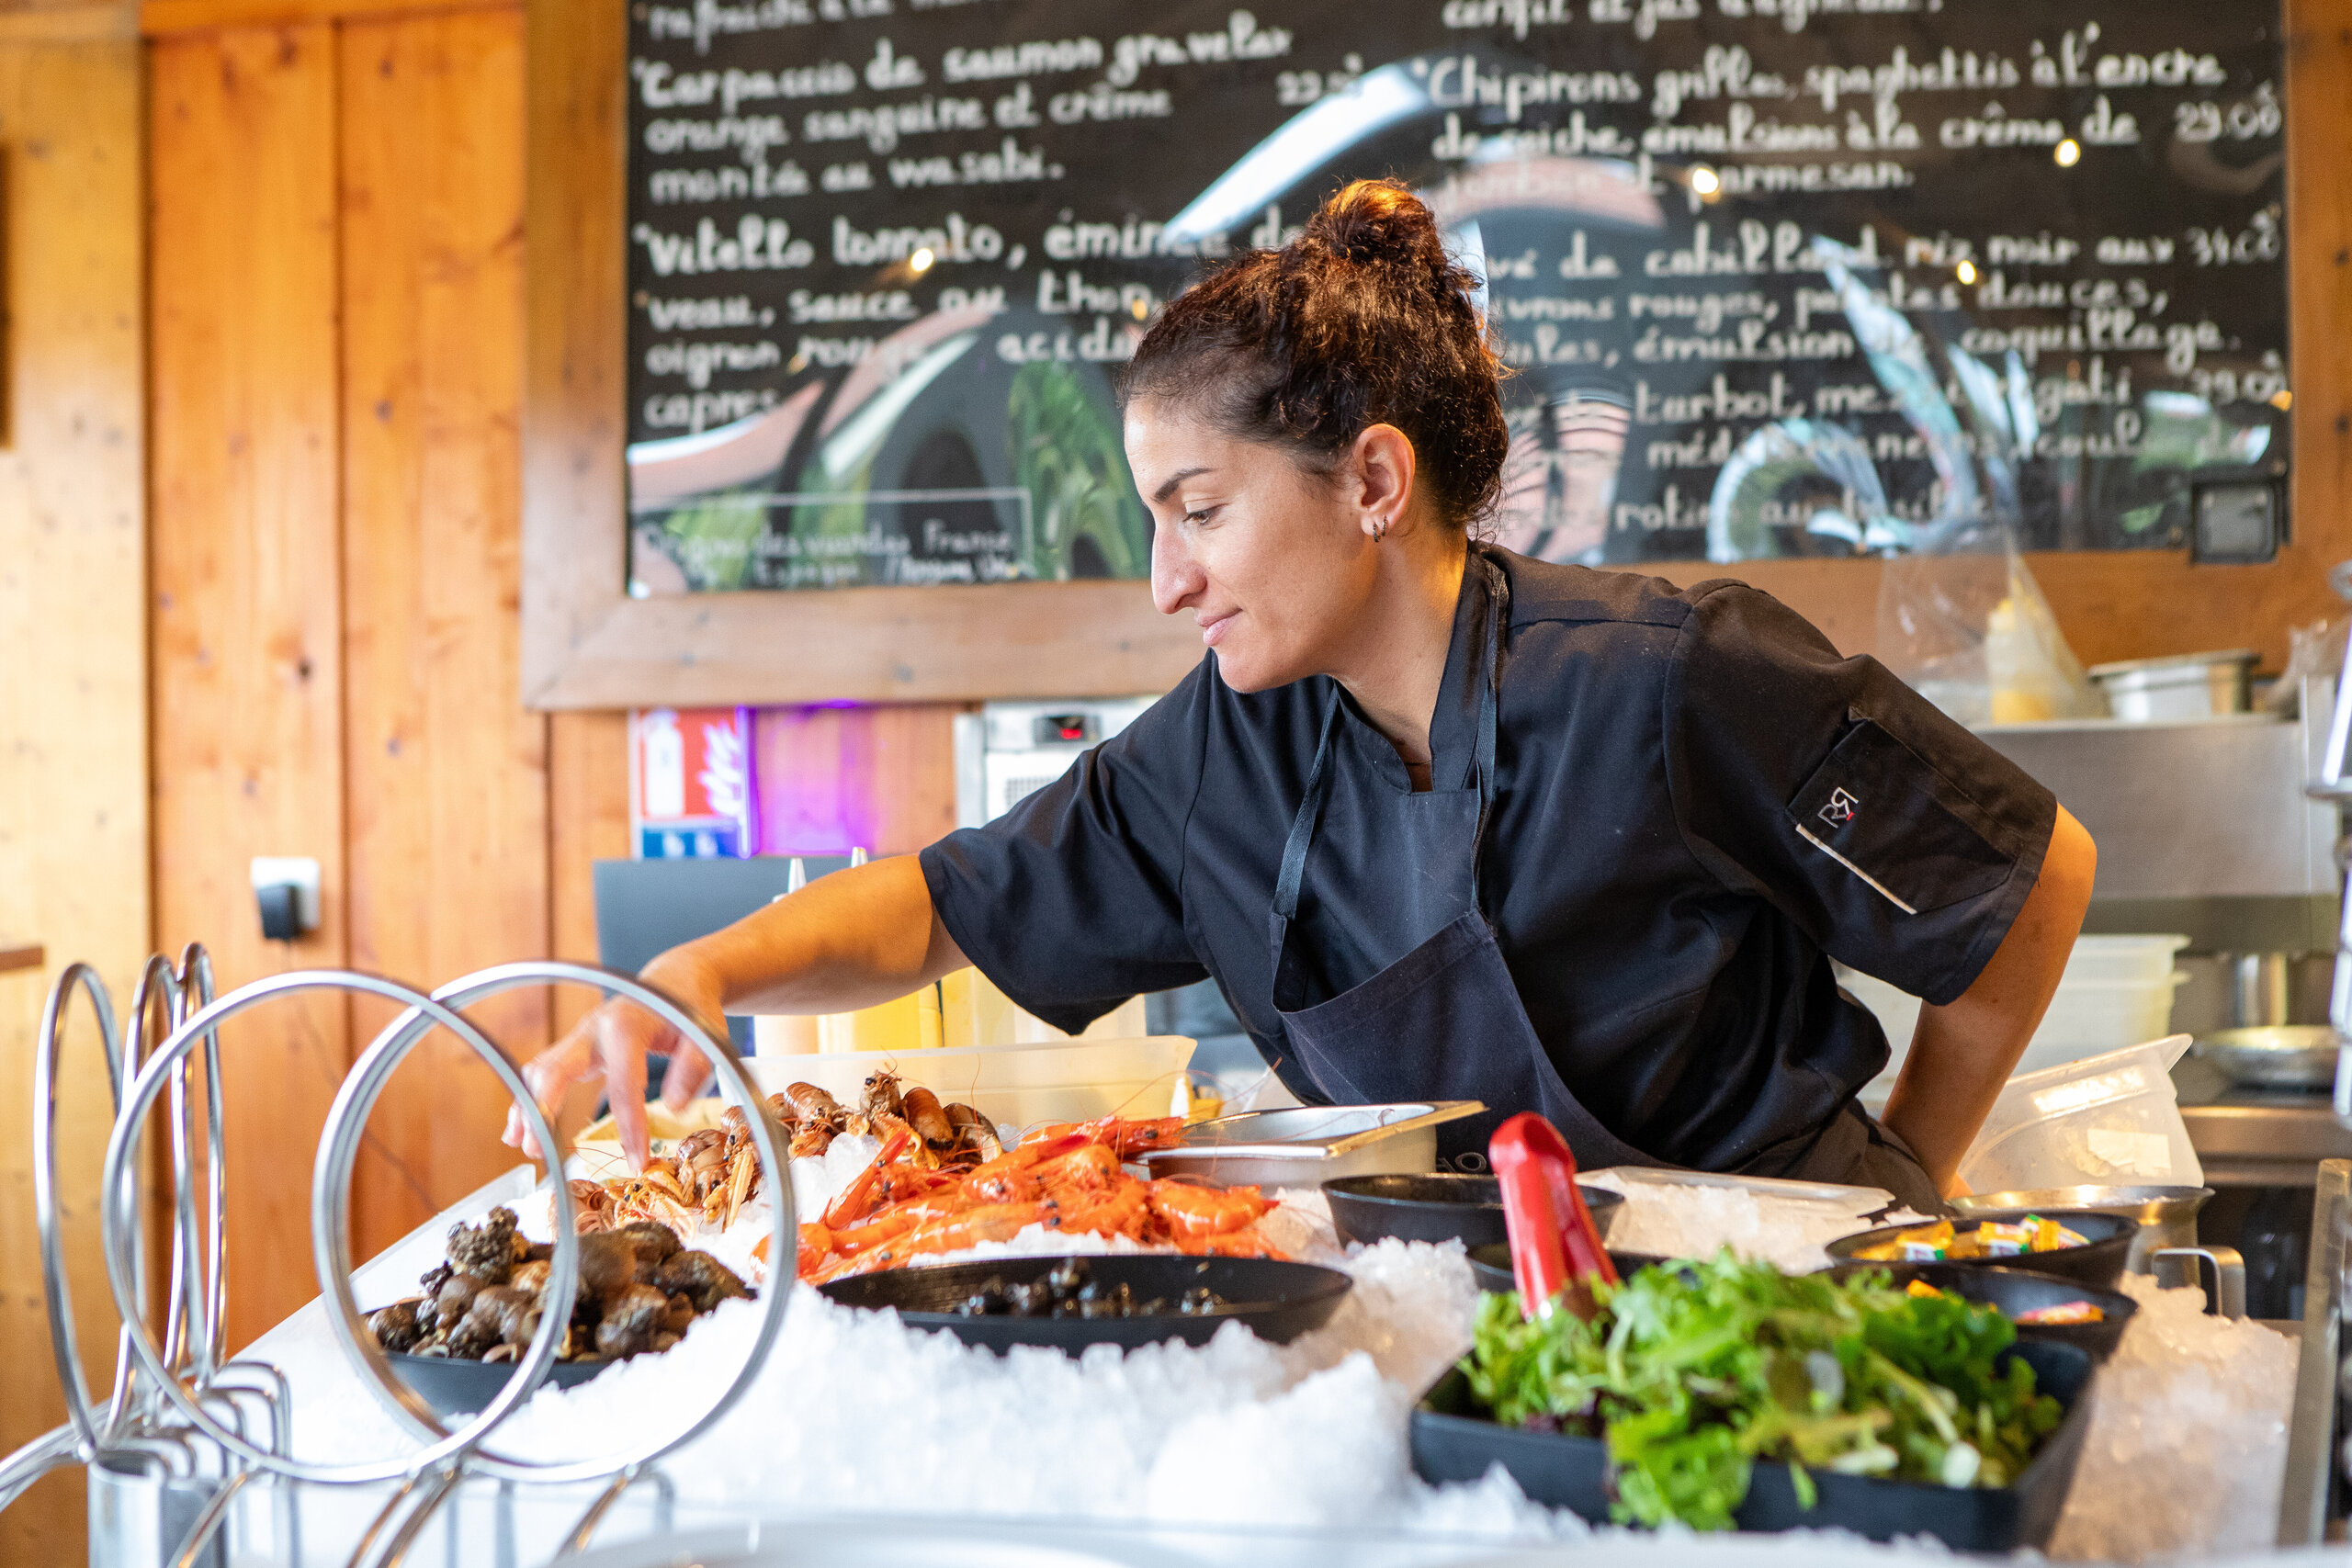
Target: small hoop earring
pixel 1379 529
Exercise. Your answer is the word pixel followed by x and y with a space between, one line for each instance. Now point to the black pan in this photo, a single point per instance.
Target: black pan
pixel 2016 1290
pixel 1276 1301
pixel 1490 1267
pixel 1454 1440
pixel 455 1387
pixel 1439 1206
pixel 2099 1261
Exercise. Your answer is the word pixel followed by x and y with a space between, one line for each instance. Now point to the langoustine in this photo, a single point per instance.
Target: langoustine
pixel 713 1172
pixel 1068 1178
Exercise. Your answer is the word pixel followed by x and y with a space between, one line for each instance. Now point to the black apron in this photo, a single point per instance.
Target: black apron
pixel 1445 1022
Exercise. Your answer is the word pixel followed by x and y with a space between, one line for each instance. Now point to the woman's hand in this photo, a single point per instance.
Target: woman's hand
pixel 609 1047
pixel 845 942
pixel 1962 1053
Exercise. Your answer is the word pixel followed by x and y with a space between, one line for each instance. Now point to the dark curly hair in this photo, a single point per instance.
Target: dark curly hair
pixel 1363 320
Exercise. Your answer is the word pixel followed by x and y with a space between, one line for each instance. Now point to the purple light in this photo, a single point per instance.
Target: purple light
pixel 815 780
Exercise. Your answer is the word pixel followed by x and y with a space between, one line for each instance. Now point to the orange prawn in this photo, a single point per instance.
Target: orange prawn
pixel 1192 1211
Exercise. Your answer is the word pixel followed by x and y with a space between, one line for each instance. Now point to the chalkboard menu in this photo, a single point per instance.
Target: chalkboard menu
pixel 1776 277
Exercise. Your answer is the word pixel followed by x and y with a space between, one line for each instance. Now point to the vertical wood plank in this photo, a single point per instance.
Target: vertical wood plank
pixel 588 821
pixel 881 778
pixel 2319 273
pixel 73 815
pixel 247 570
pixel 448 774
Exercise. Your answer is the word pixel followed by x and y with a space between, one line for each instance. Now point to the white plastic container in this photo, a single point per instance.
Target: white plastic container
pixel 1060 1080
pixel 2117 991
pixel 2108 1120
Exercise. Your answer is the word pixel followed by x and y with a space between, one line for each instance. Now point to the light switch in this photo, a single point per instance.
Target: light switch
pixel 287 889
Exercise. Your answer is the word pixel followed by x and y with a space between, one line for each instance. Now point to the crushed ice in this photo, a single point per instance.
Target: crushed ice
pixel 2188 1445
pixel 2184 1455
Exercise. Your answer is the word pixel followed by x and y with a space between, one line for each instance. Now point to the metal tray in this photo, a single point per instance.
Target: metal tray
pixel 1453 1440
pixel 1318 1132
pixel 2279 1056
pixel 1274 1300
pixel 1305 1146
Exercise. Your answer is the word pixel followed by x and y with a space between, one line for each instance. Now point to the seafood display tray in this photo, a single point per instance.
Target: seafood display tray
pixel 2019 1290
pixel 1451 1442
pixel 1490 1266
pixel 2099 1261
pixel 457 1387
pixel 1276 1301
pixel 1440 1206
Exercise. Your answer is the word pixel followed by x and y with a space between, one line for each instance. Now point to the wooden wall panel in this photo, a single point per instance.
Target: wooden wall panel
pixel 588 821
pixel 447 775
pixel 73 818
pixel 247 569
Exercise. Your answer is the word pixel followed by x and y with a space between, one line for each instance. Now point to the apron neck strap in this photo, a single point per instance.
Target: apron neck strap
pixel 1488 674
pixel 1497 621
pixel 1301 826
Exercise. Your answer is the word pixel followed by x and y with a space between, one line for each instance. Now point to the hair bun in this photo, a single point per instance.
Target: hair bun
pixel 1379 222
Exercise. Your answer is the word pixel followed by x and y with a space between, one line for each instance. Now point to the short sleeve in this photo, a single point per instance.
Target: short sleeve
pixel 1072 901
pixel 1899 842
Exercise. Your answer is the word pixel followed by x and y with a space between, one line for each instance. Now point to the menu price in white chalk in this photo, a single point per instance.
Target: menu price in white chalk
pixel 1774 278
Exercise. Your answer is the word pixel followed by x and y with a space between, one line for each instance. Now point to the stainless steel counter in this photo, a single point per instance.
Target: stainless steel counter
pixel 2249 1138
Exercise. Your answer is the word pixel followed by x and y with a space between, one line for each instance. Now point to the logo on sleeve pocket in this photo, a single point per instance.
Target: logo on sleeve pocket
pixel 1839 809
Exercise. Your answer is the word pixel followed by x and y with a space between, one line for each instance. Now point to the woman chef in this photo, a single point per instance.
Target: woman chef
pixel 1446 823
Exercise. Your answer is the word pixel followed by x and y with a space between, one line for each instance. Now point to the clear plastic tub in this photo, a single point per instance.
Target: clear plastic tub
pixel 2110 1119
pixel 1060 1080
pixel 2145 959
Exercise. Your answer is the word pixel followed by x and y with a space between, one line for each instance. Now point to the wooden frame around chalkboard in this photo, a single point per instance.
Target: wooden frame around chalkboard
pixel 587 645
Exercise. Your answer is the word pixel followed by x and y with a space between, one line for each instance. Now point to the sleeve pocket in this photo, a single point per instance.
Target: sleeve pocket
pixel 1879 811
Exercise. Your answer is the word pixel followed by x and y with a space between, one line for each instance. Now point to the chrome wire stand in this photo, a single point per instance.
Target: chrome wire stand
pixel 185 1433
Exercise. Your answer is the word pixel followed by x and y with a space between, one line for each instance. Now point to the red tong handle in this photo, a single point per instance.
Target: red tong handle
pixel 1555 1245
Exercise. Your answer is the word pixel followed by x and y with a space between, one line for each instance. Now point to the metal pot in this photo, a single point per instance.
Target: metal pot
pixel 2186 685
pixel 2167 1216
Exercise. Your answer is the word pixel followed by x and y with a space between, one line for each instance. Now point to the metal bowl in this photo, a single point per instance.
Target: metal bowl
pixel 2295 1055
pixel 1437 1206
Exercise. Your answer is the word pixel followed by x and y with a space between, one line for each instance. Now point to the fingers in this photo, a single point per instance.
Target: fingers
pixel 549 1076
pixel 689 1070
pixel 621 1040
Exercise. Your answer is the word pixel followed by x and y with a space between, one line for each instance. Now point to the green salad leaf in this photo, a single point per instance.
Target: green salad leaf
pixel 1693 1371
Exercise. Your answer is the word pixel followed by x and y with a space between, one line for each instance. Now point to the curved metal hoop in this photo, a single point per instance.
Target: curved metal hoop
pixel 119 1198
pixel 197 1298
pixel 59 1297
pixel 331 1202
pixel 159 985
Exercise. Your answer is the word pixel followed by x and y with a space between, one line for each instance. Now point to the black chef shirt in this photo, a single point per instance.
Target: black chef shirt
pixel 1697 804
